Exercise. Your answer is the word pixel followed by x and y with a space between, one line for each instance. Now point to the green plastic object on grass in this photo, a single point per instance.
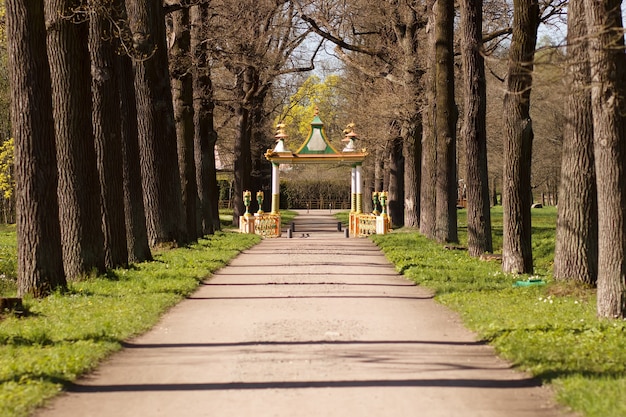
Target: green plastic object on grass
pixel 529 282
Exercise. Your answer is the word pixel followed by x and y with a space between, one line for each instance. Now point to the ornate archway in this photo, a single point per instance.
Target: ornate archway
pixel 316 149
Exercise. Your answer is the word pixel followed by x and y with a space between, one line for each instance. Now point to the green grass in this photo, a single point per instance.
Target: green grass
pixel 550 331
pixel 8 260
pixel 343 217
pixel 287 216
pixel 69 333
pixel 8 249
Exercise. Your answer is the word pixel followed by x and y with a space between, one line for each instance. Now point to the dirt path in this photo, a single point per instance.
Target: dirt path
pixel 307 326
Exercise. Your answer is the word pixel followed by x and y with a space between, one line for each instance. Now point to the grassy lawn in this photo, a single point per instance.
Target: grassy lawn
pixel 550 331
pixel 8 260
pixel 68 333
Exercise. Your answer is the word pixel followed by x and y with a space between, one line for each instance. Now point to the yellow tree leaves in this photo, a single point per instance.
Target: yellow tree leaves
pixel 7 180
pixel 313 93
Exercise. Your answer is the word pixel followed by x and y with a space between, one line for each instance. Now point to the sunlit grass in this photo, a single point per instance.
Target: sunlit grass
pixel 69 333
pixel 550 331
pixel 8 260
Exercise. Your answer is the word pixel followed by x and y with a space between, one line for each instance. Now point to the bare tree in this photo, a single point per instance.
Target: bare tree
pixel 107 134
pixel 474 131
pixel 390 34
pixel 182 91
pixel 255 57
pixel 428 196
pixel 79 189
pixel 608 93
pixel 516 196
pixel 40 259
pixel 205 136
pixel 136 231
pixel 576 251
pixel 446 116
pixel 160 173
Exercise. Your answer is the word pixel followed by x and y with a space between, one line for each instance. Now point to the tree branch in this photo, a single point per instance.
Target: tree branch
pixel 342 43
pixel 383 74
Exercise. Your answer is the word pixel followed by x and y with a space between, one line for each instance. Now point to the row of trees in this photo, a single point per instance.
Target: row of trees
pixel 590 240
pixel 183 71
pixel 101 161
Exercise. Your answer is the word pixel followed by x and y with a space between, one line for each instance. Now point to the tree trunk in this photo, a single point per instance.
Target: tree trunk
pixel 205 136
pixel 106 116
pixel 396 182
pixel 517 254
pixel 79 190
pixel 576 251
pixel 39 255
pixel 243 162
pixel 160 174
pixel 607 60
pixel 445 124
pixel 261 172
pixel 412 171
pixel 428 190
pixel 474 132
pixel 406 25
pixel 182 92
pixel 379 170
pixel 136 232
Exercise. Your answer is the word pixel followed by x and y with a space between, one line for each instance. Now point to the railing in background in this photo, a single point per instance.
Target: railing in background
pixel 366 225
pixel 267 225
pixel 311 204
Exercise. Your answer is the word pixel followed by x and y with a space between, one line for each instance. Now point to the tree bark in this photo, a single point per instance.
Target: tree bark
pixel 205 136
pixel 445 124
pixel 136 232
pixel 39 254
pixel 182 92
pixel 246 85
pixel 160 173
pixel 608 89
pixel 412 151
pixel 516 194
pixel 379 169
pixel 106 116
pixel 474 131
pixel 576 250
pixel 428 190
pixel 261 173
pixel 78 190
pixel 396 182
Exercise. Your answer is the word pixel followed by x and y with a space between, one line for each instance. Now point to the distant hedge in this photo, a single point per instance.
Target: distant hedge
pixel 315 194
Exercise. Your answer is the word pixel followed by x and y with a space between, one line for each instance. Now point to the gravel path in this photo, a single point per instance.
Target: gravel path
pixel 308 326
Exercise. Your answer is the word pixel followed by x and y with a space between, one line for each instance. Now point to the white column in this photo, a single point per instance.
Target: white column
pixel 358 189
pixel 353 191
pixel 275 188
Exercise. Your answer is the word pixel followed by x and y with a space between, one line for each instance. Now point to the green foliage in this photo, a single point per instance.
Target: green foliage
pixel 314 93
pixel 5 101
pixel 551 331
pixel 286 216
pixel 7 180
pixel 68 334
pixel 343 217
pixel 297 193
pixel 8 261
pixel 543 235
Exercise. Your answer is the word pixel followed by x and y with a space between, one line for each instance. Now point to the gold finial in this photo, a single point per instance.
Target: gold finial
pixel 349 129
pixel 317 110
pixel 349 132
pixel 280 131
